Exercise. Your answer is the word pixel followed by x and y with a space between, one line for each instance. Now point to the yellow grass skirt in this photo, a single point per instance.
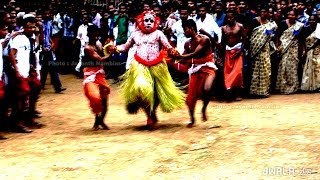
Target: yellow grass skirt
pixel 143 85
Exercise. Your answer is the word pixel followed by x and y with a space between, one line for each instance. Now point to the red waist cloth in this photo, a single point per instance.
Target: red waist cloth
pixel 183 67
pixel 24 86
pixel 2 91
pixel 196 88
pixel 233 70
pixel 96 90
pixel 153 62
pixel 203 60
pixel 206 69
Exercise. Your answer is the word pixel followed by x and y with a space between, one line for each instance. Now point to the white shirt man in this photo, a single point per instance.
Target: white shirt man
pixel 84 39
pixel 82 35
pixel 22 44
pixel 96 20
pixel 210 26
pixel 57 24
pixel 177 30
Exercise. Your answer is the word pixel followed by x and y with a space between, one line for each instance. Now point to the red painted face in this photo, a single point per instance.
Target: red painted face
pixel 148 22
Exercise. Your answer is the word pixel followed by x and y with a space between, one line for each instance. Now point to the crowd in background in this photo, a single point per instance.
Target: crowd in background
pixel 286 61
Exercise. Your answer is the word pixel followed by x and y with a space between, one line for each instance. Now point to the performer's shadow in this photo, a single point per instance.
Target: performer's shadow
pixel 158 127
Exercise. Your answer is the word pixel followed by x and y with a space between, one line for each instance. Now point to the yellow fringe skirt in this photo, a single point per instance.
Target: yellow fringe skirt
pixel 143 86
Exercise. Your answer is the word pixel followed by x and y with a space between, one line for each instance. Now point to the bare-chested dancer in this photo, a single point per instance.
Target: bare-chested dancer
pixel 198 54
pixel 233 36
pixel 95 85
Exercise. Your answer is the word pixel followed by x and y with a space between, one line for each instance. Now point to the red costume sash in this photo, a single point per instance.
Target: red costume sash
pixel 153 62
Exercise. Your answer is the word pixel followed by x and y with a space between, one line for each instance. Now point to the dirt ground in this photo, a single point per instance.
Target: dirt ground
pixel 274 138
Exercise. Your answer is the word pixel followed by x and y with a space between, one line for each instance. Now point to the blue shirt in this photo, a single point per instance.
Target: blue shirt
pixel 304 19
pixel 47 32
pixel 220 21
pixel 67 26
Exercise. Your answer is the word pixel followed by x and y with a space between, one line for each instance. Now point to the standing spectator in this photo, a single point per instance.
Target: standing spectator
pixel 245 15
pixel 181 39
pixel 111 24
pixel 311 71
pixel 122 21
pixel 82 36
pixel 3 33
pixel 219 15
pixel 146 6
pixel 177 29
pixel 191 4
pixel 95 17
pixel 303 17
pixel 232 5
pixel 262 31
pixel 234 38
pixel 317 5
pixel 283 10
pixel 132 27
pixel 206 24
pixel 56 34
pixel 157 11
pixel 23 61
pixel 48 55
pixel 67 40
pixel 290 36
pixel 310 8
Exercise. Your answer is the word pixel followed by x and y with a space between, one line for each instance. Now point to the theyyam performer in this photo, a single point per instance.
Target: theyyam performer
pixel 147 83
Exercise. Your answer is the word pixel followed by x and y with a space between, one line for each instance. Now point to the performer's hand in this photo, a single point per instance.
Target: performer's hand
pixel 108 40
pixel 111 49
pixel 174 53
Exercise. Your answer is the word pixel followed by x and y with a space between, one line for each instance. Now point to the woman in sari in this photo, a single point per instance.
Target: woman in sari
pixel 311 70
pixel 261 35
pixel 291 44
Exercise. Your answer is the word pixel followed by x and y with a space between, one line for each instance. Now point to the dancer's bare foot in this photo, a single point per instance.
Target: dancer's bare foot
pixel 151 127
pixel 190 125
pixel 95 128
pixel 104 126
pixel 204 116
pixel 151 124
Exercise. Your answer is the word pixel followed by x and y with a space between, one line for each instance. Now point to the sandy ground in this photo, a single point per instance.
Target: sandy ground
pixel 274 138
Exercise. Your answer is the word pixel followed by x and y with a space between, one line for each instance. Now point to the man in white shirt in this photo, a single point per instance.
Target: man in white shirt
pixel 177 29
pixel 206 24
pixel 23 60
pixel 82 36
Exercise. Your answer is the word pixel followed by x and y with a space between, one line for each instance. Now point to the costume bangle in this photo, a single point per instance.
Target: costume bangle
pixel 118 49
